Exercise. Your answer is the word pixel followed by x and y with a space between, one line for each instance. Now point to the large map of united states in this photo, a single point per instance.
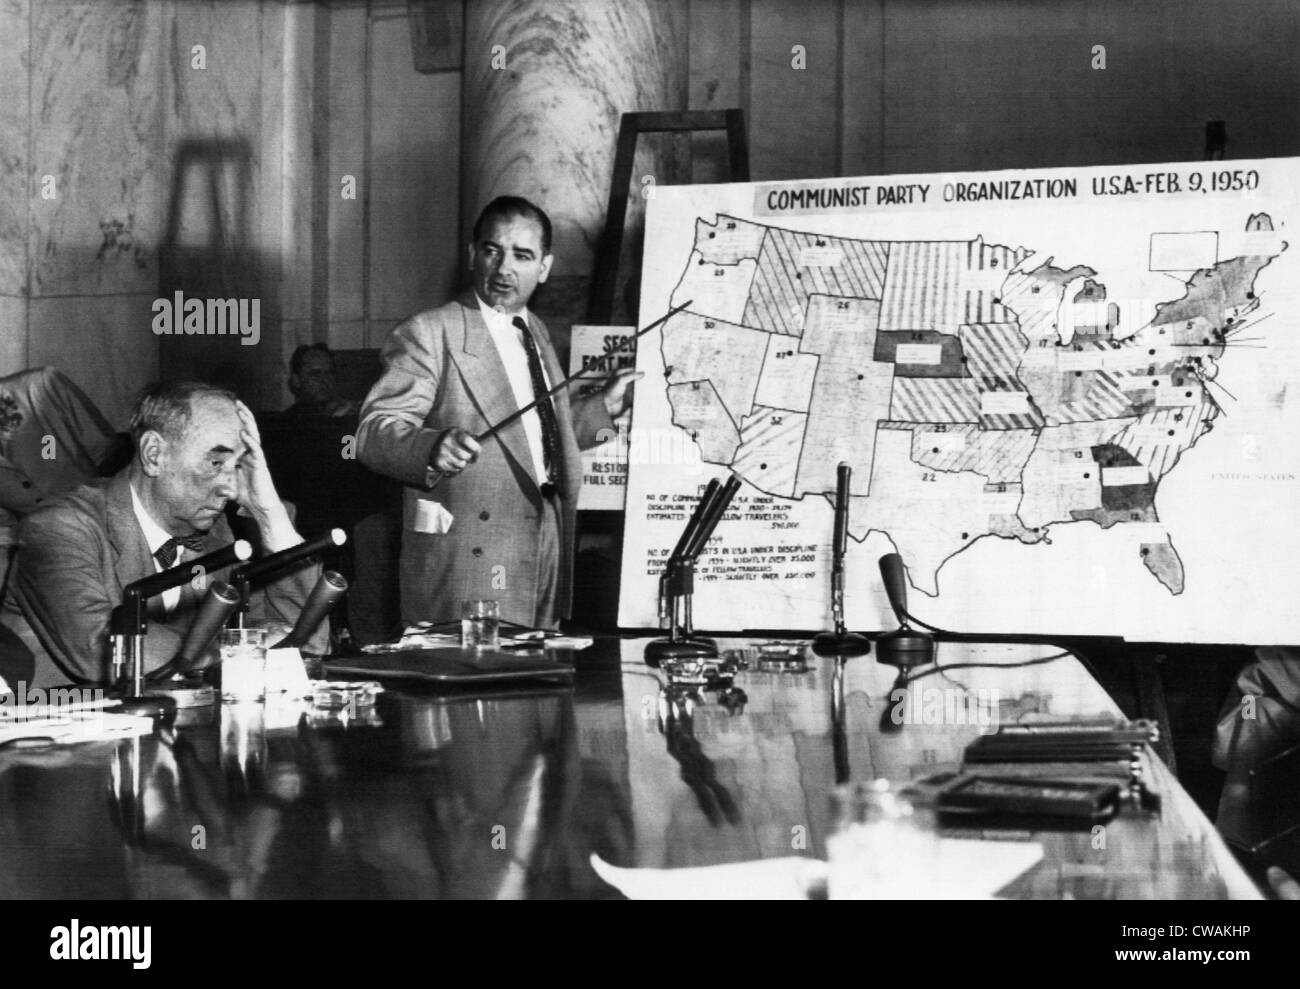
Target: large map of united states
pixel 972 396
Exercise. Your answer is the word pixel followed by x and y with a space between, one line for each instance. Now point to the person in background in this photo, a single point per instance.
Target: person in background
pixel 311 379
pixel 197 449
pixel 494 519
pixel 52 438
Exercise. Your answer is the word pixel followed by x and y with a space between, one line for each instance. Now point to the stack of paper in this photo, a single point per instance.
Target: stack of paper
pixel 969 870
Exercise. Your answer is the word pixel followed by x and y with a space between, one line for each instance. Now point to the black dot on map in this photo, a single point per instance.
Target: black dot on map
pixel 1145 551
pixel 997 302
pixel 1086 476
pixel 798 275
pixel 1078 374
pixel 1171 432
pixel 1162 329
pixel 712 235
pixel 860 377
pixel 1205 341
pixel 1155 384
pixel 701 261
pixel 965 535
pixel 935 450
pixel 762 466
pixel 1034 529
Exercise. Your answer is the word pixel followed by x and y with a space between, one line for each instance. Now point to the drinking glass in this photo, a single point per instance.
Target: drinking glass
pixel 243 664
pixel 480 625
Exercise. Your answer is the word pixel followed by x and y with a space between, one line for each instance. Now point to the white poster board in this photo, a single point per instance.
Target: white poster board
pixel 1067 396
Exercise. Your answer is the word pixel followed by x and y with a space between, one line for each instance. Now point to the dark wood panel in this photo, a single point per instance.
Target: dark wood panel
pixel 794 116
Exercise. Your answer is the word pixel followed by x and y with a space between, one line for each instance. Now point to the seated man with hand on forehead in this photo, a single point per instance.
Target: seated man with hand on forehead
pixel 197 449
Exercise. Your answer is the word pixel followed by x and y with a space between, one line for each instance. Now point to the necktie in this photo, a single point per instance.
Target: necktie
pixel 166 553
pixel 551 455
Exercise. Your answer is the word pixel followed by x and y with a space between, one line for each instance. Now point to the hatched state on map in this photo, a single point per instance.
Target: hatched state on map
pixel 973 397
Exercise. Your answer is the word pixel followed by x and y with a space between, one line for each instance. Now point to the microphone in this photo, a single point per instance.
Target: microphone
pixel 674 558
pixel 677 582
pixel 215 608
pixel 329 588
pixel 904 647
pixel 712 516
pixel 218 559
pixel 840 642
pixel 265 568
pixel 128 622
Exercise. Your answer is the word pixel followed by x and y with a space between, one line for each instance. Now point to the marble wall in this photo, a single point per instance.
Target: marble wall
pixel 15 86
pixel 111 122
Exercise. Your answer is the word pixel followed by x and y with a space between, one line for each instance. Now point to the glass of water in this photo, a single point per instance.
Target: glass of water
pixel 480 624
pixel 243 664
pixel 884 844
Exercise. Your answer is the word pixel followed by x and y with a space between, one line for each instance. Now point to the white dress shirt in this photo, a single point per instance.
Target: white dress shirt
pixel 155 535
pixel 510 348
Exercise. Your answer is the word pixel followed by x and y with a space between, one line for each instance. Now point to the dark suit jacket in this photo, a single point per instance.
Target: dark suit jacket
pixel 441 369
pixel 77 554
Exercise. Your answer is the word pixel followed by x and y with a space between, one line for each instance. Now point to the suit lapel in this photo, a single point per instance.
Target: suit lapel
pixel 131 557
pixel 489 385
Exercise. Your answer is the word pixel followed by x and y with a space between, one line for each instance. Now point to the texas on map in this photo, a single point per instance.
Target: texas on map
pixel 972 397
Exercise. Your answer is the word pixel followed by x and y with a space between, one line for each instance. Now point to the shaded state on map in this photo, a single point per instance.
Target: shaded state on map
pixel 973 397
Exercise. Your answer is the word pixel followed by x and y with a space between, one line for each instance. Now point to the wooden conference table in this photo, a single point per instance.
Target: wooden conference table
pixel 506 792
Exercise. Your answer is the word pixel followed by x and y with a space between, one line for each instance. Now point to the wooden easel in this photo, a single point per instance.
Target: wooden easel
pixel 605 528
pixel 633 125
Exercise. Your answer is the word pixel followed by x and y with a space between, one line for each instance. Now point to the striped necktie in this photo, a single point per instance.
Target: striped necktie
pixel 551 456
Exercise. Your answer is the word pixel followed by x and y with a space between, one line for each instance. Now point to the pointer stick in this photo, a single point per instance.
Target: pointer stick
pixel 492 431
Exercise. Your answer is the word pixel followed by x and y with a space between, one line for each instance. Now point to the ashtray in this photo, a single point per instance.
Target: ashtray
pixel 699 670
pixel 783 657
pixel 333 695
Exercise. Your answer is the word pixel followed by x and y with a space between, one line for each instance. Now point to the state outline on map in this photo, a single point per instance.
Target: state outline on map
pixel 756 282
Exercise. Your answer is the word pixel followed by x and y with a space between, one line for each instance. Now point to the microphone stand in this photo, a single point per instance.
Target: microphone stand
pixel 840 642
pixel 677 585
pixel 129 623
pixel 904 647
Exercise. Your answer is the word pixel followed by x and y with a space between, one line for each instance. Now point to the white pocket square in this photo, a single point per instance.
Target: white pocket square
pixel 432 518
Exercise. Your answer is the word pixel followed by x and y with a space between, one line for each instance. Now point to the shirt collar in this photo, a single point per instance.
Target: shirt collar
pixel 497 321
pixel 154 534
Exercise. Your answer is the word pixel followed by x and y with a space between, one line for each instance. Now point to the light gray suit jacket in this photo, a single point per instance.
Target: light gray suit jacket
pixel 441 369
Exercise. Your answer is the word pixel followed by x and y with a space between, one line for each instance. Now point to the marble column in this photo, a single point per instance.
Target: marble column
pixel 15 186
pixel 545 84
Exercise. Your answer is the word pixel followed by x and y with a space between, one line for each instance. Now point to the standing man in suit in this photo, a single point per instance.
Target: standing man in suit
pixel 491 520
pixel 196 450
